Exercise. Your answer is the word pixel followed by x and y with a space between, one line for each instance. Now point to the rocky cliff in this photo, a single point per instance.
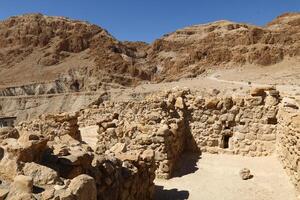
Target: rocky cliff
pixel 46 55
pixel 188 52
pixel 55 55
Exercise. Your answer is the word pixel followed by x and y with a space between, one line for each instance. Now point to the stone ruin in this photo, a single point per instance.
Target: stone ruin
pixel 133 142
pixel 46 159
pixel 178 121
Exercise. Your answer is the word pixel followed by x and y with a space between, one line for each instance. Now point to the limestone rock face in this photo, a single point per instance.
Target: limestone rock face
pixel 36 40
pixel 190 51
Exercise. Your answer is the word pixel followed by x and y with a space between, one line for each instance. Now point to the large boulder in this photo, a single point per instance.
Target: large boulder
pixel 13 152
pixel 41 175
pixel 21 188
pixel 83 187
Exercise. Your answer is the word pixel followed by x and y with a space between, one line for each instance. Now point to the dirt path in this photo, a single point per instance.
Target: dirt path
pixel 287 89
pixel 217 178
pixel 215 77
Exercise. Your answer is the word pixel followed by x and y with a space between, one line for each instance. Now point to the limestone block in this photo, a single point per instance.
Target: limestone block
pixel 251 136
pixel 239 136
pixel 179 103
pixel 257 92
pixel 254 101
pixel 228 103
pixel 273 93
pixel 290 103
pixel 268 137
pixel 83 187
pixel 242 129
pixel 22 185
pixel 271 101
pixel 41 175
pixel 212 103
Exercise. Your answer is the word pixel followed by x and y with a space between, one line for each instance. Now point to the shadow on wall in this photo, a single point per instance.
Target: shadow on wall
pixel 173 194
pixel 187 164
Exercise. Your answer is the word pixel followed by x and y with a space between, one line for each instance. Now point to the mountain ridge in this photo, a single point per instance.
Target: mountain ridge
pixel 57 54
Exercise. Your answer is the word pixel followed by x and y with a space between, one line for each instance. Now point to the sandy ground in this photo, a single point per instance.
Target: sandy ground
pixel 216 177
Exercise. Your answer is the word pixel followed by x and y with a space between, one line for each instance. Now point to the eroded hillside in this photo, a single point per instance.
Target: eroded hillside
pixel 189 51
pixel 45 55
pixel 65 54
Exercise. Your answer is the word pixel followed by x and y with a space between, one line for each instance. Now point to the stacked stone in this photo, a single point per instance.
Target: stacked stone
pixel 157 123
pixel 177 120
pixel 289 139
pixel 247 123
pixel 135 138
pixel 46 161
pixel 17 150
pixel 52 125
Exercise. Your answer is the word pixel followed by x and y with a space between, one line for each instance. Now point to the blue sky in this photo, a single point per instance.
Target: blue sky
pixel 146 20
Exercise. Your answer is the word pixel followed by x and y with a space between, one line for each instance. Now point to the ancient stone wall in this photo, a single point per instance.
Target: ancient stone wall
pixel 134 138
pixel 288 141
pixel 157 123
pixel 46 159
pixel 235 125
pixel 175 121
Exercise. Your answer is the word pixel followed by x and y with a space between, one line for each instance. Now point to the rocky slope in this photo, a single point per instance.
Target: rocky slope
pixel 62 54
pixel 189 51
pixel 46 55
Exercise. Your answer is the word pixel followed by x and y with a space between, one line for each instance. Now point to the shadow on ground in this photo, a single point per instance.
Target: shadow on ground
pixel 172 194
pixel 187 164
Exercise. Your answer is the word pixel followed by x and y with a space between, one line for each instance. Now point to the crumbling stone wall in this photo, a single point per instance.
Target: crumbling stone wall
pixel 158 123
pixel 135 138
pixel 175 121
pixel 235 125
pixel 44 159
pixel 53 125
pixel 289 140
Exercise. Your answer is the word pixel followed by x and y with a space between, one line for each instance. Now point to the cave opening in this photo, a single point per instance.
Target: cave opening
pixel 75 86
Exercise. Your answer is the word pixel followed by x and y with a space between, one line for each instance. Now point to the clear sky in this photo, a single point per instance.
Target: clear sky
pixel 146 20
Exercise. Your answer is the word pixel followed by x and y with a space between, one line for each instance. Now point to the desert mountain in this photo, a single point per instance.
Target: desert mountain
pixel 63 53
pixel 41 54
pixel 189 51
